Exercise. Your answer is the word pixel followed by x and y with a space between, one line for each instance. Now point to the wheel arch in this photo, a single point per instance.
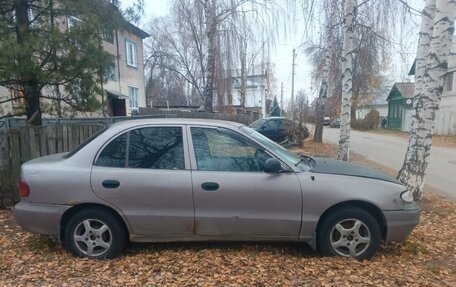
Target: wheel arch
pixel 83 206
pixel 371 208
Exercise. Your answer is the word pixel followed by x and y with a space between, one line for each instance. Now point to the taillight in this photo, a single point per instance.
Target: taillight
pixel 24 189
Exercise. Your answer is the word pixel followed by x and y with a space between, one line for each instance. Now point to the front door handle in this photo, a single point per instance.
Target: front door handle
pixel 110 183
pixel 210 186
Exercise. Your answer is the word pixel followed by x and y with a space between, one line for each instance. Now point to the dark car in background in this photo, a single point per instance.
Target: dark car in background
pixel 335 123
pixel 281 130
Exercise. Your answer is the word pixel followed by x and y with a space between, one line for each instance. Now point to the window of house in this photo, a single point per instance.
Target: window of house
pixel 133 95
pixel 150 147
pixel 132 60
pixel 217 150
pixel 17 96
pixel 73 21
pixel 448 81
pixel 111 73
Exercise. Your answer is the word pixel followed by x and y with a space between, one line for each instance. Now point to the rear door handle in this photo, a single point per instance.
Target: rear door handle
pixel 210 186
pixel 110 183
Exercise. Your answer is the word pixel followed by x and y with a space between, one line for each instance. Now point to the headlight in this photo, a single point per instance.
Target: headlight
pixel 407 196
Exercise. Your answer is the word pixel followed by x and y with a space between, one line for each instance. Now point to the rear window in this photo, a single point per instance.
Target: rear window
pixel 258 123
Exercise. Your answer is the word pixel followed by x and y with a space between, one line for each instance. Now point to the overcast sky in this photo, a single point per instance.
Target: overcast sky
pixel 282 56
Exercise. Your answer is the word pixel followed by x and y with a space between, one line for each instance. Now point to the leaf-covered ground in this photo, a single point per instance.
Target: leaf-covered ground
pixel 427 258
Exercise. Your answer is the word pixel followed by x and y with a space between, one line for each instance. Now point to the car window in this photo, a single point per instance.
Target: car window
pixel 273 124
pixel 150 147
pixel 257 124
pixel 278 149
pixel 219 150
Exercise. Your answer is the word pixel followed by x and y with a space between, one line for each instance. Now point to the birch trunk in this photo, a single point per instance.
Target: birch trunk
pixel 320 107
pixel 427 102
pixel 424 44
pixel 347 76
pixel 211 29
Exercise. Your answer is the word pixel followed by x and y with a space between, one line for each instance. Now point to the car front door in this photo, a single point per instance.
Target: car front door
pixel 145 173
pixel 234 197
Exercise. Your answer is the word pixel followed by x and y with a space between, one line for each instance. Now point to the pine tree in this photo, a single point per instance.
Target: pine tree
pixel 275 108
pixel 56 43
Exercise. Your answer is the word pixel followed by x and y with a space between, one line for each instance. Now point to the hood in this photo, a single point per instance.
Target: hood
pixel 331 166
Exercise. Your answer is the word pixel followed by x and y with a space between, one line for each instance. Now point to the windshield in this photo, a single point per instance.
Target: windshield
pixel 258 124
pixel 302 162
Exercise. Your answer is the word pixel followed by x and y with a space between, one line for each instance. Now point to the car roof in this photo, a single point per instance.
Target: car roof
pixel 176 121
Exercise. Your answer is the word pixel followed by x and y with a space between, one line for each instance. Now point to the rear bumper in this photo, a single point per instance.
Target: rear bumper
pixel 400 223
pixel 38 217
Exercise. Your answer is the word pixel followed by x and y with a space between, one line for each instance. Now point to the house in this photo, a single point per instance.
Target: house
pixel 125 89
pixel 257 96
pixel 378 103
pixel 123 92
pixel 400 104
pixel 445 118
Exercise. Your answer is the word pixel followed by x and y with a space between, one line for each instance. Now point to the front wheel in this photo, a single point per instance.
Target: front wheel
pixel 349 232
pixel 95 234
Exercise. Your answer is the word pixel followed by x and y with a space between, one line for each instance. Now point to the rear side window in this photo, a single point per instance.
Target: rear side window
pixel 151 147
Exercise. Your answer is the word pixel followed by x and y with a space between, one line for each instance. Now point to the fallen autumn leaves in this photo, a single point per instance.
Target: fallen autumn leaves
pixel 428 258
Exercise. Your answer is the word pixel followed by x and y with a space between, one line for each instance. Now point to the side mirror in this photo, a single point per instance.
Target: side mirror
pixel 272 165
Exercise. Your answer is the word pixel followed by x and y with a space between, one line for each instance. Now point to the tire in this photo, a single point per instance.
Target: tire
pixel 349 232
pixel 95 234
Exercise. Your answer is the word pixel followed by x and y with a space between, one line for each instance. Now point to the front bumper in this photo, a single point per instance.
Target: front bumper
pixel 400 223
pixel 38 217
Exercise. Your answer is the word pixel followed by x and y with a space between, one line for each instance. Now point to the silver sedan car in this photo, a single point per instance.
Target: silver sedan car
pixel 161 180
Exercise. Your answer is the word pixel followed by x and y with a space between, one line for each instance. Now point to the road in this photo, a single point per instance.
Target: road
pixel 390 152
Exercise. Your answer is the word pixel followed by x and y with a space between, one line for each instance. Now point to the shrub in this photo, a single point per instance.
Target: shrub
pixel 371 121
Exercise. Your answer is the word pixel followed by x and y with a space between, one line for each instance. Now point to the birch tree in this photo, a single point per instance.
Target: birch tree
pixel 347 55
pixel 320 107
pixel 427 102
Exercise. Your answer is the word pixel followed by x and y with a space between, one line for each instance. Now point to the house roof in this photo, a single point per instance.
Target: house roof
pixel 406 90
pixel 135 30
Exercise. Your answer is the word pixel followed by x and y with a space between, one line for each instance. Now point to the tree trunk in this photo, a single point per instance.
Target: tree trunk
pixel 243 59
pixel 29 87
pixel 320 107
pixel 427 102
pixel 424 44
pixel 211 29
pixel 347 76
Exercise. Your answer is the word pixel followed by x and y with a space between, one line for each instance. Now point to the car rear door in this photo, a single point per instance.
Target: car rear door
pixel 145 173
pixel 234 197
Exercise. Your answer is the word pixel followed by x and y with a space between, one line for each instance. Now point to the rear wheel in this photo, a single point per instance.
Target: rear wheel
pixel 349 232
pixel 95 234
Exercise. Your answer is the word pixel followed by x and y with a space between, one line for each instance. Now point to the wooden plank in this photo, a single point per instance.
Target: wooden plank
pixel 24 139
pixel 51 140
pixel 33 147
pixel 74 136
pixel 81 134
pixel 65 138
pixel 43 141
pixel 59 138
pixel 4 149
pixel 15 152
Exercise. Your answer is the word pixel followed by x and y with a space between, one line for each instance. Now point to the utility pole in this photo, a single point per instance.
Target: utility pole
pixel 292 81
pixel 281 99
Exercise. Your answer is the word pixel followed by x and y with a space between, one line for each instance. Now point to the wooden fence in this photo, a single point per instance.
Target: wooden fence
pixel 22 144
